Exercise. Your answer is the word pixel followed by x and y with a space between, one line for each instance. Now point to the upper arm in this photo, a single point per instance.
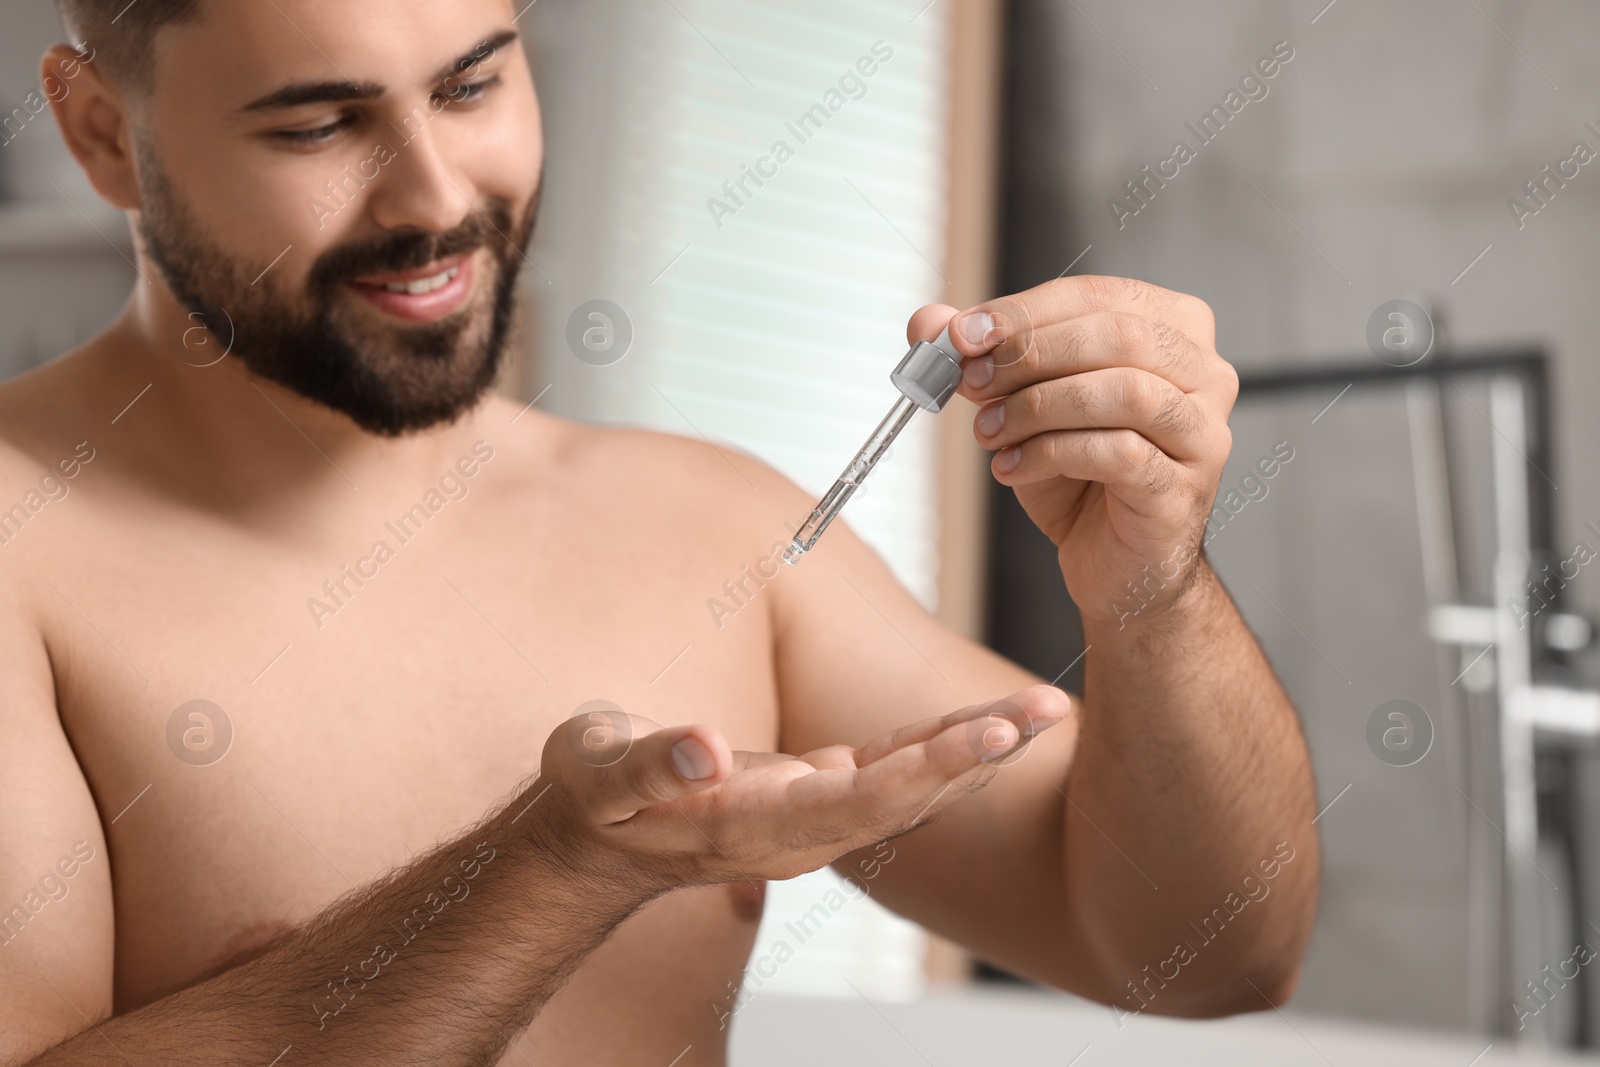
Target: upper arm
pixel 56 929
pixel 858 656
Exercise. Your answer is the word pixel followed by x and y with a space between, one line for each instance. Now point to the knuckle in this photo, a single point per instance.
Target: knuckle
pixel 1173 348
pixel 647 783
pixel 1100 291
pixel 1130 334
pixel 1229 374
pixel 1049 449
pixel 598 735
pixel 1198 310
pixel 1013 318
pixel 1174 413
pixel 1030 406
pixel 1127 450
pixel 1073 343
pixel 1142 394
pixel 1008 311
pixel 1158 479
pixel 1084 400
pixel 1155 472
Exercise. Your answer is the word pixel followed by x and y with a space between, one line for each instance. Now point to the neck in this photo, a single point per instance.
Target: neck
pixel 206 420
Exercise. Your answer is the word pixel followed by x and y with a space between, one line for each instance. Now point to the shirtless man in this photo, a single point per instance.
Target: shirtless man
pixel 393 594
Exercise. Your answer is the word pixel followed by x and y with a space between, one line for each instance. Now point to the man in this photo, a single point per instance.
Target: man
pixel 283 625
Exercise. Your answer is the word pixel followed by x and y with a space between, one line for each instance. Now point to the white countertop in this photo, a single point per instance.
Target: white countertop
pixel 1028 1028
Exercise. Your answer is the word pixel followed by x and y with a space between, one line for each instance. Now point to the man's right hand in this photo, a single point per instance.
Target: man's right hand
pixel 680 807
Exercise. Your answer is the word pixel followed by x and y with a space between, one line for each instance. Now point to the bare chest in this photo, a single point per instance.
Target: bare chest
pixel 267 725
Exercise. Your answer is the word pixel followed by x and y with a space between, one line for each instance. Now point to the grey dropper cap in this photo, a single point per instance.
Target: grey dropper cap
pixel 930 373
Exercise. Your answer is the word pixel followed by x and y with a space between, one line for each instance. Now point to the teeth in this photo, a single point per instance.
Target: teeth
pixel 422 286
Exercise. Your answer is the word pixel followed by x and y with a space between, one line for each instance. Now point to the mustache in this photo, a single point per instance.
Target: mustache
pixel 394 253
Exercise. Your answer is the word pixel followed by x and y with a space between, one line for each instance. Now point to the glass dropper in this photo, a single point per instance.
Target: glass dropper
pixel 927 378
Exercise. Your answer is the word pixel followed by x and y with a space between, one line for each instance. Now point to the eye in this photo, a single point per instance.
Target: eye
pixel 468 92
pixel 317 134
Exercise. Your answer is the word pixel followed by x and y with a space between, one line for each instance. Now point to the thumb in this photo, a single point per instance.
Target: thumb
pixel 613 764
pixel 929 322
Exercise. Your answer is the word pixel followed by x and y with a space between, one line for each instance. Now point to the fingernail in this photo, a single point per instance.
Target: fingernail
pixel 976 327
pixel 1008 459
pixel 979 372
pixel 991 420
pixel 693 760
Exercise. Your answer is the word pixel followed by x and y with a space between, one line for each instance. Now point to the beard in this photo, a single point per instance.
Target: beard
pixel 320 342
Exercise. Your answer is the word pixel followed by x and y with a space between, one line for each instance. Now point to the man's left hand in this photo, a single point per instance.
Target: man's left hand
pixel 1108 405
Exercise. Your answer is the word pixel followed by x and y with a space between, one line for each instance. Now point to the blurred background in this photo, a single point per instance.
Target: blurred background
pixel 1390 209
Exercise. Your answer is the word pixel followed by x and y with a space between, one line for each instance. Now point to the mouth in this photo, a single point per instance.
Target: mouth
pixel 426 294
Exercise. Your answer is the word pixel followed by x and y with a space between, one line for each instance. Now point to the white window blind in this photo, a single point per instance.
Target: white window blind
pixel 766 315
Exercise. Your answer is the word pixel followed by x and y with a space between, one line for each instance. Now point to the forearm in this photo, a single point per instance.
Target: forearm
pixel 440 963
pixel 1191 762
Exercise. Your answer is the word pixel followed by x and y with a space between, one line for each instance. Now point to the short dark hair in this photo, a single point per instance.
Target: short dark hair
pixel 122 34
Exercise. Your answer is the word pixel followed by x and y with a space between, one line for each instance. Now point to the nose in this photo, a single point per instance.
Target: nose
pixel 419 189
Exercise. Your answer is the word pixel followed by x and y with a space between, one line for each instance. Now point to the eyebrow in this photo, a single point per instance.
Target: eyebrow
pixel 467 59
pixel 300 94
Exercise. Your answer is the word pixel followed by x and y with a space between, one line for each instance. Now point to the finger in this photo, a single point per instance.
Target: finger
pixel 1031 710
pixel 911 734
pixel 911 783
pixel 1115 398
pixel 1061 299
pixel 1004 332
pixel 1123 460
pixel 1096 341
pixel 832 758
pixel 614 764
pixel 929 322
pixel 744 761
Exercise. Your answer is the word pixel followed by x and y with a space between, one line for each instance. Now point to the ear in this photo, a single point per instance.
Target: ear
pixel 94 121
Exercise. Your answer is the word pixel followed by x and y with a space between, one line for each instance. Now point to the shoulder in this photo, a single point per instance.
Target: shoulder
pixel 718 491
pixel 45 417
pixel 46 440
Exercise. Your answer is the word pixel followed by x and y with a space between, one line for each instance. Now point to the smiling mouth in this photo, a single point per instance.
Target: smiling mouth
pixel 427 294
pixel 422 286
